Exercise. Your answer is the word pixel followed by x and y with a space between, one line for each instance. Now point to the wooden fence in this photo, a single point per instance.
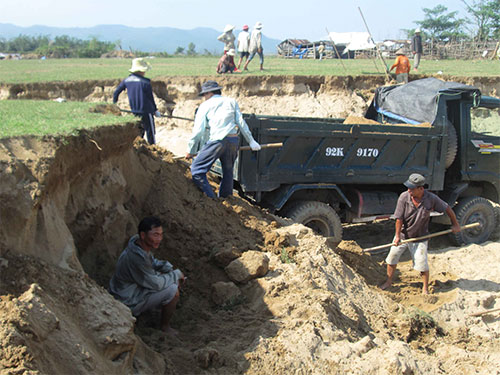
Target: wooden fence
pixel 460 50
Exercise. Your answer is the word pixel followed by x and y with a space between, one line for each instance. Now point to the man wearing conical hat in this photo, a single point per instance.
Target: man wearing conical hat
pixel 416 47
pixel 227 37
pixel 256 46
pixel 402 65
pixel 140 97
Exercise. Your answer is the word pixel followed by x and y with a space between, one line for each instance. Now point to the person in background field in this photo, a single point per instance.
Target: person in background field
pixel 256 46
pixel 223 117
pixel 227 37
pixel 226 62
pixel 142 282
pixel 243 45
pixel 140 97
pixel 413 212
pixel 321 50
pixel 402 65
pixel 416 48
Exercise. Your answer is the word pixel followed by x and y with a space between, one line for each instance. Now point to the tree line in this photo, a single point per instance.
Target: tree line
pixel 68 47
pixel 441 25
pixel 60 46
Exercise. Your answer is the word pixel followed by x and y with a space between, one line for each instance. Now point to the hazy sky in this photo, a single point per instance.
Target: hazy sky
pixel 281 19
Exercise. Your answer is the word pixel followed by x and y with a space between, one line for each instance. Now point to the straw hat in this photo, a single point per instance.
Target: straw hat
pixel 258 25
pixel 139 65
pixel 400 51
pixel 231 52
pixel 417 30
pixel 228 28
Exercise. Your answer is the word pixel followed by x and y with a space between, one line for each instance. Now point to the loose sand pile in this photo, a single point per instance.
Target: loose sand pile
pixel 68 206
pixel 315 310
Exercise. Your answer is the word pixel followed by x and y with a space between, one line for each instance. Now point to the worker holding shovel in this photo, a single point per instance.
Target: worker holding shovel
pixel 140 96
pixel 412 220
pixel 217 122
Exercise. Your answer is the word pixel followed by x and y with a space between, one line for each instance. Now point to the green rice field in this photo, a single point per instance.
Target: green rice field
pixel 27 71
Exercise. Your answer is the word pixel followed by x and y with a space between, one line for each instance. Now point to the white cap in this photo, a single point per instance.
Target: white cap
pixel 258 25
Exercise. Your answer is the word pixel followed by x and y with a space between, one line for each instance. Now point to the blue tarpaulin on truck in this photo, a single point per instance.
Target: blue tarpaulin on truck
pixel 417 101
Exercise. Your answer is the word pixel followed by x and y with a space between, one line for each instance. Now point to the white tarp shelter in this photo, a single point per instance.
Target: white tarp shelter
pixel 354 41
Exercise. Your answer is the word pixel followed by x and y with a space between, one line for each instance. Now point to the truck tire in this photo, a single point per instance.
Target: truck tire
pixel 318 216
pixel 470 210
pixel 452 147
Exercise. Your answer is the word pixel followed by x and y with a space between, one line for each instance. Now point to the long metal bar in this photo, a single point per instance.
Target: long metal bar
pixel 336 51
pixel 376 46
pixel 168 116
pixel 468 226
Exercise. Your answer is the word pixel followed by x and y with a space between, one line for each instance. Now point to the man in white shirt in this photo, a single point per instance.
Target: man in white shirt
pixel 221 117
pixel 256 46
pixel 243 45
pixel 227 37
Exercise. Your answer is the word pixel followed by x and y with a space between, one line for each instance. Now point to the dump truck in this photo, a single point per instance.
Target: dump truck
pixel 331 171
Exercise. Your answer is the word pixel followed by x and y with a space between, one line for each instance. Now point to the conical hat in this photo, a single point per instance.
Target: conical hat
pixel 139 65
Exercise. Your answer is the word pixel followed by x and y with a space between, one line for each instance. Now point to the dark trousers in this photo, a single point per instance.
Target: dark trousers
pixel 226 150
pixel 148 127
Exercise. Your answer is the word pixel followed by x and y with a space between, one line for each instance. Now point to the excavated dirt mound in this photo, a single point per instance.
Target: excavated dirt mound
pixel 314 309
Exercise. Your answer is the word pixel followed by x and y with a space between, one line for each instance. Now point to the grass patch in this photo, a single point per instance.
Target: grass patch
pixel 285 257
pixel 27 71
pixel 41 117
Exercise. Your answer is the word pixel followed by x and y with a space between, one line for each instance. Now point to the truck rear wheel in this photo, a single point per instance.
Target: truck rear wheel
pixel 471 210
pixel 318 216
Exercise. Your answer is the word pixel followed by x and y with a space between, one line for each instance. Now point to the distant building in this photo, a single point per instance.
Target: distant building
pixel 347 45
pixel 304 49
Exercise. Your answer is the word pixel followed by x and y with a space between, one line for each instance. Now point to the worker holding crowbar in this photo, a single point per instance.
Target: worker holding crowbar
pixel 412 213
pixel 215 136
pixel 140 96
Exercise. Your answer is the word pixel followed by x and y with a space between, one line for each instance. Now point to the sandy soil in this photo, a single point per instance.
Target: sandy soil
pixel 315 309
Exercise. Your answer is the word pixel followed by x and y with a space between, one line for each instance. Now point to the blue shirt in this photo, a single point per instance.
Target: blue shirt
pixel 138 274
pixel 140 94
pixel 215 119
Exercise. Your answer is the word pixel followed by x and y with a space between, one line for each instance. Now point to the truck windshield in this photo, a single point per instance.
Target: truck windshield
pixel 485 121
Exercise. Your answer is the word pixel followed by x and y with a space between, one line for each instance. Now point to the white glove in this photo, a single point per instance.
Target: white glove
pixel 254 146
pixel 157 114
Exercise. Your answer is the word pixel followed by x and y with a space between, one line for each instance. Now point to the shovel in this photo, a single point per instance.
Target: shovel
pixel 167 116
pixel 468 226
pixel 246 148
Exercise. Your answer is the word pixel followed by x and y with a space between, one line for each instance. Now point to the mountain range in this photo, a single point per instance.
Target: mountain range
pixel 147 39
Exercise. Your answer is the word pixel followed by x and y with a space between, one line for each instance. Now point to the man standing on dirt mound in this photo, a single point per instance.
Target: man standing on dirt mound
pixel 142 282
pixel 412 215
pixel 140 97
pixel 221 118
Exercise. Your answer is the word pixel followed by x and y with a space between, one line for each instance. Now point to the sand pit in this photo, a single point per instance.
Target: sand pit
pixel 317 309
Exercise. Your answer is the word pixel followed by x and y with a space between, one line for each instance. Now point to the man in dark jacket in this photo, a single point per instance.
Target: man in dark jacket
pixel 143 282
pixel 416 48
pixel 140 97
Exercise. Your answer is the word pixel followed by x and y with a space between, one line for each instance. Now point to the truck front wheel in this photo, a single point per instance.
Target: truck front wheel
pixel 318 216
pixel 471 210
